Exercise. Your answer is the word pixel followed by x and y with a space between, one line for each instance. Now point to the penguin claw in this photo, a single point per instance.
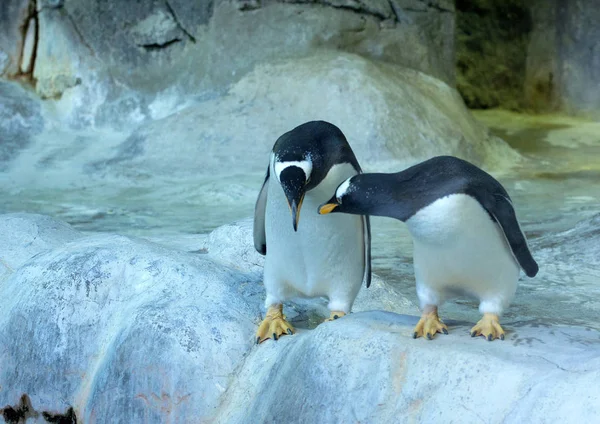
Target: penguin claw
pixel 429 325
pixel 273 326
pixel 488 327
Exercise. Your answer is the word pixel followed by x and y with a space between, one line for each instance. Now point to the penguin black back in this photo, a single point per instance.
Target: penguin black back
pixel 403 194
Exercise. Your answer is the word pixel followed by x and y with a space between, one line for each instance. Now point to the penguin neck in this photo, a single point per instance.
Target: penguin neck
pixel 390 196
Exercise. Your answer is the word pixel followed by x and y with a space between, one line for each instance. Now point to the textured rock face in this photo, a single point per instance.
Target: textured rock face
pixel 388 115
pixel 97 323
pixel 392 117
pixel 20 120
pixel 100 54
pixel 113 329
pixel 580 273
pixel 14 16
pixel 366 368
pixel 564 56
pixel 491 52
pixel 539 55
pixel 123 330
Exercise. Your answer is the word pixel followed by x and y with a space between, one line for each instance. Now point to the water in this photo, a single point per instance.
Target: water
pixel 557 186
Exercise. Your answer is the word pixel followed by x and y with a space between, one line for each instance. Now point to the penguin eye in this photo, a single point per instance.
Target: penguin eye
pixel 339 200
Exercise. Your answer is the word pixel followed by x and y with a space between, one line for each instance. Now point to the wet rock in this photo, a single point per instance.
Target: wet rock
pixel 20 120
pixel 125 330
pixel 120 329
pixel 572 264
pixel 389 115
pixel 27 235
pixel 117 329
pixel 366 368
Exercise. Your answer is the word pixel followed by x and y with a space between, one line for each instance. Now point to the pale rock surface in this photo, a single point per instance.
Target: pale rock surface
pixel 124 330
pixel 390 115
pixel 121 329
pixel 367 368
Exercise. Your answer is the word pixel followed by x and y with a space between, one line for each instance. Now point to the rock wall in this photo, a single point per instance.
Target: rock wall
pixel 564 57
pixel 537 55
pixel 491 52
pixel 108 54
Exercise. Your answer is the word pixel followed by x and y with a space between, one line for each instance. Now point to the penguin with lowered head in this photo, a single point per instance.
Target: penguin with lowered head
pixel 465 234
pixel 316 256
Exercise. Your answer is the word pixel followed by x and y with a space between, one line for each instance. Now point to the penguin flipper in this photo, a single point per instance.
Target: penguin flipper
pixel 260 238
pixel 367 238
pixel 504 214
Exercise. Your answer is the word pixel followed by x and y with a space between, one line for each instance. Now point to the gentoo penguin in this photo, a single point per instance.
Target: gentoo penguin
pixel 465 234
pixel 315 257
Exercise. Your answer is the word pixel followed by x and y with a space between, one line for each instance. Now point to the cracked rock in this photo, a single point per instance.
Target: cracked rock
pixel 158 29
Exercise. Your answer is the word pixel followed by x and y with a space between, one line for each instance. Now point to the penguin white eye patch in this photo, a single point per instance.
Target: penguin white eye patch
pixel 342 190
pixel 305 165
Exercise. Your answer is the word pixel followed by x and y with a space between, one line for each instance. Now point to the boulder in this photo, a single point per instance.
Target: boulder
pixel 120 329
pixel 389 114
pixel 367 368
pixel 26 235
pixel 168 36
pixel 107 328
pixel 123 330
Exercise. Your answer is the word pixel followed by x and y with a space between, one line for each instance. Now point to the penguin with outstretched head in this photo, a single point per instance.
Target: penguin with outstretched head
pixel 465 233
pixel 315 256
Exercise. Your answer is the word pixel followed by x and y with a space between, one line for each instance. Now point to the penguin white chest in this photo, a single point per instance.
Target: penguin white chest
pixel 325 257
pixel 458 247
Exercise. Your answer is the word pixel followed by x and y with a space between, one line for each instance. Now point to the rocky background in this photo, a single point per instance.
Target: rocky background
pixel 139 131
pixel 539 55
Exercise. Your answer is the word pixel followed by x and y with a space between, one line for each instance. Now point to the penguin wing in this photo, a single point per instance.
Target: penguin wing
pixel 504 214
pixel 367 237
pixel 260 238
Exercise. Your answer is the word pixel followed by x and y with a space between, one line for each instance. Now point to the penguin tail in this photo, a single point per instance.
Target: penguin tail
pixel 504 214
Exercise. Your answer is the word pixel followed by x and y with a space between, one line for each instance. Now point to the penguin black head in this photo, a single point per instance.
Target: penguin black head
pixel 347 199
pixel 363 194
pixel 294 178
pixel 303 156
